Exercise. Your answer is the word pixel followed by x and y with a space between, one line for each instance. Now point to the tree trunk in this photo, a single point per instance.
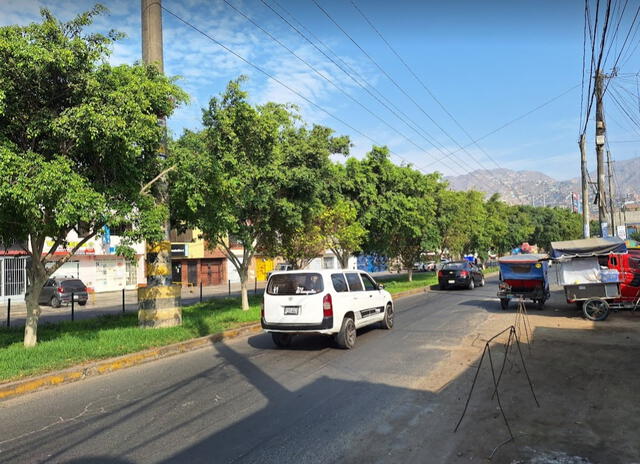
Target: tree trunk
pixel 410 274
pixel 244 293
pixel 32 294
pixel 344 260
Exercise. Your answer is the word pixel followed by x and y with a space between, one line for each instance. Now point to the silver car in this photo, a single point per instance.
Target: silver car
pixel 57 291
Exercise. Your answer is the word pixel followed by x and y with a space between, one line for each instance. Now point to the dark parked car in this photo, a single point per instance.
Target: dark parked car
pixel 460 274
pixel 59 290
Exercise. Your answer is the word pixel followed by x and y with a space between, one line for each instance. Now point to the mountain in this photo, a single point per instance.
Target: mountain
pixel 536 188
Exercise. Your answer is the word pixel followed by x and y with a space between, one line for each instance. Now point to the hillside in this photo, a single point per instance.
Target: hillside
pixel 536 188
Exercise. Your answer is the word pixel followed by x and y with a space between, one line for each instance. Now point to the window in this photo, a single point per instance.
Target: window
pixel 369 284
pixel 453 266
pixel 339 283
pixel 295 284
pixel 327 262
pixel 186 236
pixel 521 268
pixel 355 285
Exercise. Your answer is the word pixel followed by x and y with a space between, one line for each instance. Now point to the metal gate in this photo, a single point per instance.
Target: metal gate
pixel 13 277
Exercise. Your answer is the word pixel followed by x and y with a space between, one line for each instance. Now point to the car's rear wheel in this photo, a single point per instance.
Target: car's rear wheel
pixel 82 303
pixel 482 282
pixel 387 322
pixel 346 338
pixel 471 284
pixel 504 303
pixel 442 286
pixel 55 302
pixel 281 340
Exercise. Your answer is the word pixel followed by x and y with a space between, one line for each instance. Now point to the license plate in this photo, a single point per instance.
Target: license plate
pixel 291 310
pixel 452 281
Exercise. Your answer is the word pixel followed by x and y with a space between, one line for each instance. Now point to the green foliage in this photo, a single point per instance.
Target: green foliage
pixel 78 138
pixel 635 236
pixel 254 173
pixel 341 230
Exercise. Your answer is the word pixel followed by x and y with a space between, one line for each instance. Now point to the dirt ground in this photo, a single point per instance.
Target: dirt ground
pixel 585 375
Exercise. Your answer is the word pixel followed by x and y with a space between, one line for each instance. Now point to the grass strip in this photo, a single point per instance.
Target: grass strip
pixel 65 344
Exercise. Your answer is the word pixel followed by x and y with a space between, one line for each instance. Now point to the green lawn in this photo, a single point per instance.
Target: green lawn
pixel 65 344
pixel 400 283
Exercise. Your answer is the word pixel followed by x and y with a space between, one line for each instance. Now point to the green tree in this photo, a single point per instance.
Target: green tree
pixel 553 224
pixel 495 224
pixel 254 173
pixel 78 143
pixel 342 232
pixel 401 215
pixel 454 222
pixel 301 246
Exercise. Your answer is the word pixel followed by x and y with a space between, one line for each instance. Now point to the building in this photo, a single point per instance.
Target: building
pixel 98 266
pixel 194 263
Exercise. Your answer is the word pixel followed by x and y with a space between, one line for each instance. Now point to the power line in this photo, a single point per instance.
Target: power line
pixel 275 79
pixel 323 76
pixel 388 105
pixel 421 82
pixel 518 118
pixel 393 81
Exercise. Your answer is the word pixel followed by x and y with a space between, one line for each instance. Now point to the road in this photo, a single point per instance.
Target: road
pixel 246 401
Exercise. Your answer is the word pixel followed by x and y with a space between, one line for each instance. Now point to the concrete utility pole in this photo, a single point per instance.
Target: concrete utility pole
pixel 586 233
pixel 600 139
pixel 611 201
pixel 159 301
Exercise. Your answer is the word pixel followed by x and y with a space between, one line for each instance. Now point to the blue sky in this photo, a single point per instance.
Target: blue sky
pixel 486 62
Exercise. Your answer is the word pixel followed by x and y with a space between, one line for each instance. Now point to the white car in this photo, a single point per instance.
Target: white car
pixel 328 302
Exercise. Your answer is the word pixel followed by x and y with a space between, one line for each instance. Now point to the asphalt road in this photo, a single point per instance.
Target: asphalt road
pixel 246 401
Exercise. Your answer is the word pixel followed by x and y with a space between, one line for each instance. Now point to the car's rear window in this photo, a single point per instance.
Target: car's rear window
pixel 297 283
pixel 73 284
pixel 453 266
pixel 520 268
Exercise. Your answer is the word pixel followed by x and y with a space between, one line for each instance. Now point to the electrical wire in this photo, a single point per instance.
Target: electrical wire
pixel 327 79
pixel 275 79
pixel 371 91
pixel 402 90
pixel 421 82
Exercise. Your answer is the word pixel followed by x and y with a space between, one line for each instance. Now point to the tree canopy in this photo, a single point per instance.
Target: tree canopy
pixel 78 142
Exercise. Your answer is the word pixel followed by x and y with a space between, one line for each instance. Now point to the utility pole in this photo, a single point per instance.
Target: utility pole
pixel 586 233
pixel 611 200
pixel 160 301
pixel 600 139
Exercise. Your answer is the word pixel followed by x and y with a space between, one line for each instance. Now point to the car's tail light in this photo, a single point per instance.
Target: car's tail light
pixel 327 306
pixel 440 274
pixel 464 273
pixel 60 290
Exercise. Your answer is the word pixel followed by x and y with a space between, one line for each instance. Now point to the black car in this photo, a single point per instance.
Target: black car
pixel 59 290
pixel 461 274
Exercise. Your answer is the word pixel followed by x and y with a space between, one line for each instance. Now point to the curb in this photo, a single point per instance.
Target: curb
pixel 83 371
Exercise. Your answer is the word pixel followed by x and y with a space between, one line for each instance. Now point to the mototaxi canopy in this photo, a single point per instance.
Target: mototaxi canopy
pixel 524 267
pixel 587 247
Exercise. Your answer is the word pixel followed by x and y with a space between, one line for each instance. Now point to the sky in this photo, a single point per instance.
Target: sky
pixel 486 63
